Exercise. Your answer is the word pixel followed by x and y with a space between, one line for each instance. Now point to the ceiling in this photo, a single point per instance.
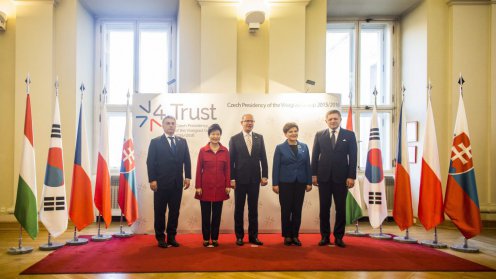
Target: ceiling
pixel 369 8
pixel 168 8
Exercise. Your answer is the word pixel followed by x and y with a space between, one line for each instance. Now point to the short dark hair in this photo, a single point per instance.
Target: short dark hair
pixel 214 127
pixel 290 125
pixel 168 117
pixel 334 111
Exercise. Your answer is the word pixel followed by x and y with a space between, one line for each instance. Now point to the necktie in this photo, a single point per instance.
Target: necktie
pixel 249 143
pixel 333 139
pixel 173 145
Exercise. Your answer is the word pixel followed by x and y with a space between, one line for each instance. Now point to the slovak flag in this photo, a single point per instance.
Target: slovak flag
pixel 374 188
pixel 102 185
pixel 81 209
pixel 402 210
pixel 53 208
pixel 461 200
pixel 128 192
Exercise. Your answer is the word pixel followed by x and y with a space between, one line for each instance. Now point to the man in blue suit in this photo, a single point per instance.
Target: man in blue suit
pixel 168 159
pixel 334 162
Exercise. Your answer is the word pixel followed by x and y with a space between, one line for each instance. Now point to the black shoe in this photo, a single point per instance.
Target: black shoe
pixel 324 241
pixel 172 242
pixel 256 241
pixel 239 242
pixel 340 243
pixel 288 241
pixel 215 243
pixel 296 241
pixel 206 243
pixel 162 244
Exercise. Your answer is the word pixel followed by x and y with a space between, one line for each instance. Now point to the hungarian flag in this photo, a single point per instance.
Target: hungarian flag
pixel 374 187
pixel 102 185
pixel 128 192
pixel 461 200
pixel 353 200
pixel 81 208
pixel 430 208
pixel 53 210
pixel 26 208
pixel 402 210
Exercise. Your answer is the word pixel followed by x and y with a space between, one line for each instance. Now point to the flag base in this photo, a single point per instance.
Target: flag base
pixel 403 239
pixel 51 246
pixel 464 248
pixel 101 237
pixel 434 244
pixel 77 241
pixel 381 236
pixel 356 233
pixel 20 250
pixel 123 234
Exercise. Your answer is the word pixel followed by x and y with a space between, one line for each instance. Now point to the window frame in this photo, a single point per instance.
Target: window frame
pixel 393 82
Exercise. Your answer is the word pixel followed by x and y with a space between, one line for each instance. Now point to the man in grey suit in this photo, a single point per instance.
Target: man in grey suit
pixel 334 163
pixel 168 159
pixel 249 170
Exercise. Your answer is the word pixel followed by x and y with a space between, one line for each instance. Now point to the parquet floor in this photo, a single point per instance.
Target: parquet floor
pixel 12 265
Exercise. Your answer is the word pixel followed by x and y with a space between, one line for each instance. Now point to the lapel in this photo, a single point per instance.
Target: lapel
pixel 326 139
pixel 256 143
pixel 242 142
pixel 290 151
pixel 165 141
pixel 339 137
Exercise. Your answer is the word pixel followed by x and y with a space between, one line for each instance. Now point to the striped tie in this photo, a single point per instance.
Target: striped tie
pixel 249 143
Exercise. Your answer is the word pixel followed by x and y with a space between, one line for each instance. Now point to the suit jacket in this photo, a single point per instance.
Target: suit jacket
pixel 212 174
pixel 290 168
pixel 338 164
pixel 245 168
pixel 165 167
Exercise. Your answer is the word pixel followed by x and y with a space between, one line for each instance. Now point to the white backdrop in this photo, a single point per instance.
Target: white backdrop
pixel 194 113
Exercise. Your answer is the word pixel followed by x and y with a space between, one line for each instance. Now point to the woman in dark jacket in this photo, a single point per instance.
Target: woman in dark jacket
pixel 291 177
pixel 212 184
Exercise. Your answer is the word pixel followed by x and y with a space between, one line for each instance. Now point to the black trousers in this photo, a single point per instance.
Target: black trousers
pixel 211 213
pixel 291 196
pixel 163 198
pixel 326 191
pixel 240 194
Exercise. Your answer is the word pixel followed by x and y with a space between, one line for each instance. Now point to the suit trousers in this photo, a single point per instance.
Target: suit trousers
pixel 326 191
pixel 291 196
pixel 240 194
pixel 163 198
pixel 211 213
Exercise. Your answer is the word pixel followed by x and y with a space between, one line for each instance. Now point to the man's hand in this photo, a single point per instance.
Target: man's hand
pixel 228 190
pixel 264 181
pixel 275 188
pixel 186 183
pixel 233 184
pixel 309 188
pixel 314 181
pixel 154 186
pixel 350 183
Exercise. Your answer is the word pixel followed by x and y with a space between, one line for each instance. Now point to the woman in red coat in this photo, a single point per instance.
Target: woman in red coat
pixel 212 184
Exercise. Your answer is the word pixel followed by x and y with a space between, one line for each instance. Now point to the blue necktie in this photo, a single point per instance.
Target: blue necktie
pixel 333 139
pixel 173 145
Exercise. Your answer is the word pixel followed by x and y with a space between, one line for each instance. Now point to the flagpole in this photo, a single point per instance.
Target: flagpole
pixel 20 249
pixel 122 233
pixel 380 235
pixel 406 238
pixel 463 247
pixel 433 243
pixel 101 237
pixel 357 231
pixel 75 241
pixel 49 246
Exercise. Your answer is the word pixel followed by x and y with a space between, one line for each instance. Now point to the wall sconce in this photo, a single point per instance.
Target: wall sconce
pixel 3 21
pixel 254 19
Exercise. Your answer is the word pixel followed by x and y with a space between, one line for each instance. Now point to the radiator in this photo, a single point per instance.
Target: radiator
pixel 114 191
pixel 389 181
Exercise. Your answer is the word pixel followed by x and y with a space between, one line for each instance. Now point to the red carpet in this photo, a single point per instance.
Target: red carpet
pixel 141 254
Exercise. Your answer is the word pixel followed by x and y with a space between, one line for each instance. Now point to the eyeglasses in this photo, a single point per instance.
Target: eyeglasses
pixel 249 121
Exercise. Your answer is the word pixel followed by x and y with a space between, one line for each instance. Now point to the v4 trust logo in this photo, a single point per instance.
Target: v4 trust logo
pixel 150 115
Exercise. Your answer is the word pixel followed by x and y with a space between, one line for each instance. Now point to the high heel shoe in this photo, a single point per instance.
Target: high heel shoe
pixel 206 243
pixel 215 243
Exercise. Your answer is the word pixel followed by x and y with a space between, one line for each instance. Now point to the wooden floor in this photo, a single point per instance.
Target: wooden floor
pixel 12 265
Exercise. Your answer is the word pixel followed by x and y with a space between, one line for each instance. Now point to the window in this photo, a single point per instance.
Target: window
pixel 135 56
pixel 359 59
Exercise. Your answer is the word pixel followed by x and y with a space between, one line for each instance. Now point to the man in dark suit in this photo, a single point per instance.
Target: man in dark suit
pixel 168 158
pixel 334 162
pixel 249 170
